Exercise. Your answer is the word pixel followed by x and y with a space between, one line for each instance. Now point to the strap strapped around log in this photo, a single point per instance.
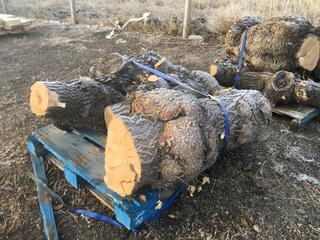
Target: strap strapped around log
pixel 175 81
pixel 236 83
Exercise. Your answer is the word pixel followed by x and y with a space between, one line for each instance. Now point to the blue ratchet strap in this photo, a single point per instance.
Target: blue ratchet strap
pixel 175 81
pixel 106 219
pixel 166 77
pixel 97 216
pixel 226 117
pixel 243 47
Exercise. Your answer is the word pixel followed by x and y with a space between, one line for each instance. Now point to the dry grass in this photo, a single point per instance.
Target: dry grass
pixel 219 13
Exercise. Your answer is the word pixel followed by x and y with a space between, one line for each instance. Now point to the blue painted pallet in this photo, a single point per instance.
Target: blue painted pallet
pixel 301 115
pixel 81 156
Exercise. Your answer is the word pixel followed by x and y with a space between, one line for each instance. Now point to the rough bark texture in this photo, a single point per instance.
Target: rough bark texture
pixel 79 104
pixel 234 34
pixel 308 92
pixel 276 87
pixel 192 132
pixel 279 87
pixel 277 43
pixel 129 78
pixel 82 102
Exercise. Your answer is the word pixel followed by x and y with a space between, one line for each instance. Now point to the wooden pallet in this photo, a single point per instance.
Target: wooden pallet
pixel 10 24
pixel 301 115
pixel 81 156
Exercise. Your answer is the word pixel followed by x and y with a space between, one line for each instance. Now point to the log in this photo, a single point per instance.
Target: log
pixel 79 104
pixel 308 92
pixel 279 87
pixel 234 34
pixel 276 87
pixel 316 72
pixel 127 78
pixel 277 43
pixel 163 137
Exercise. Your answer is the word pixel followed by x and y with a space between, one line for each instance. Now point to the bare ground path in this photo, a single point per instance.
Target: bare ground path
pixel 274 185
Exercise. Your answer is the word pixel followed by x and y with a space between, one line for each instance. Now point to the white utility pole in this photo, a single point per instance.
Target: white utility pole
pixel 187 19
pixel 73 11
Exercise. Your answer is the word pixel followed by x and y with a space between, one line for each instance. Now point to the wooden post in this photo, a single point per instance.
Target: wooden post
pixel 187 19
pixel 4 7
pixel 73 12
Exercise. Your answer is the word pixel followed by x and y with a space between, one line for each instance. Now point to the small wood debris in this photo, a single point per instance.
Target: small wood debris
pixel 257 228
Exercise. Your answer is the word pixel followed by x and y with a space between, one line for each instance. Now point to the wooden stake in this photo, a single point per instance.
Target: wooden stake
pixel 4 7
pixel 187 19
pixel 73 11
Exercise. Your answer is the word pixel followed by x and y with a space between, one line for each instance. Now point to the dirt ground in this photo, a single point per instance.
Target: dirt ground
pixel 267 190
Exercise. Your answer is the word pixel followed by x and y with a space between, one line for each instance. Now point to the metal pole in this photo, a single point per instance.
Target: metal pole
pixel 73 12
pixel 187 19
pixel 4 7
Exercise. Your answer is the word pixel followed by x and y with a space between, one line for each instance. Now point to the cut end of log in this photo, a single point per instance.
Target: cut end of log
pixel 308 54
pixel 122 162
pixel 282 81
pixel 301 92
pixel 214 70
pixel 41 98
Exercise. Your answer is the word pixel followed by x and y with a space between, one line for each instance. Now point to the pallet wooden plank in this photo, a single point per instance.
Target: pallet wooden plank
pixel 44 200
pixel 12 24
pixel 98 138
pixel 302 115
pixel 294 111
pixel 85 159
pixel 71 151
pixel 26 22
pixel 106 199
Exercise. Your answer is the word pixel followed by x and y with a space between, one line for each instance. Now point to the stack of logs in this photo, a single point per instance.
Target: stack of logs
pixel 281 58
pixel 158 133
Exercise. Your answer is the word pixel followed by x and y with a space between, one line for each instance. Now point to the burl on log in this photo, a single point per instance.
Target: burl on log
pixel 165 137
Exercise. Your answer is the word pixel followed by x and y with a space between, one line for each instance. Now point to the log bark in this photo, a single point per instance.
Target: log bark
pixel 234 34
pixel 277 43
pixel 276 87
pixel 316 72
pixel 164 137
pixel 79 104
pixel 308 92
pixel 279 87
pixel 128 78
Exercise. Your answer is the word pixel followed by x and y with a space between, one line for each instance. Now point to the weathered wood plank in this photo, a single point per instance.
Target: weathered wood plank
pixel 302 115
pixel 44 200
pixel 72 152
pixel 83 158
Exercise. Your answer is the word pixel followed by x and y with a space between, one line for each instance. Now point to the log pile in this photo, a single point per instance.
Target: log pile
pixel 158 133
pixel 281 59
